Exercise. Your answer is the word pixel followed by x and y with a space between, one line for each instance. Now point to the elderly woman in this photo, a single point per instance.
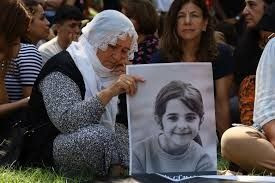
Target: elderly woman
pixel 144 17
pixel 74 101
pixel 188 37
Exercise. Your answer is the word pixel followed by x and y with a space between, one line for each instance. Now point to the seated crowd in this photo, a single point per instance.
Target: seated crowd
pixel 63 85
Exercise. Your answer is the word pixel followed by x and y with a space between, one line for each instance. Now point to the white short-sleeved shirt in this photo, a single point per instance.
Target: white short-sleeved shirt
pixel 49 49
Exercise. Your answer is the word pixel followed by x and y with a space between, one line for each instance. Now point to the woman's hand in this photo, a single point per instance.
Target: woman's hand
pixel 8 108
pixel 25 101
pixel 121 69
pixel 125 83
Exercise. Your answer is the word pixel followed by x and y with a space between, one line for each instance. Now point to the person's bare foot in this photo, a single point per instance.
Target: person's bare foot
pixel 117 171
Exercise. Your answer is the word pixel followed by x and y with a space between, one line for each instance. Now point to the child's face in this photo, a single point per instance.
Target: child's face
pixel 180 124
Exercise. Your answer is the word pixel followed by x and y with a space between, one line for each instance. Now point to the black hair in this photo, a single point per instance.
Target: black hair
pixel 67 12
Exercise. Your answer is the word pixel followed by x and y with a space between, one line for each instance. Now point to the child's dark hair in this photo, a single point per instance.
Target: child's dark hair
pixel 185 92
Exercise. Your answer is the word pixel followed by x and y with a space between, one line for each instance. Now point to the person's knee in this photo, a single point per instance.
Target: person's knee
pixel 228 142
pixel 105 134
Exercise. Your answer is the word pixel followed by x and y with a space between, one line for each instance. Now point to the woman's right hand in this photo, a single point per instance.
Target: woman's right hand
pixel 25 101
pixel 125 83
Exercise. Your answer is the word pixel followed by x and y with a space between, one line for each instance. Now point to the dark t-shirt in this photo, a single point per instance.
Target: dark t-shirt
pixel 232 8
pixel 222 66
pixel 113 5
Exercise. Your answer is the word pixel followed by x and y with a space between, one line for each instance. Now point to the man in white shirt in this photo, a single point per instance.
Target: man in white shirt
pixel 253 147
pixel 68 24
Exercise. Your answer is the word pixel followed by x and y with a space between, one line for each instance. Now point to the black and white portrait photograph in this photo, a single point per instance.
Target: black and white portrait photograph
pixel 171 118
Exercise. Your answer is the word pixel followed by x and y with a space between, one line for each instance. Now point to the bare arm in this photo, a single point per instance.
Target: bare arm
pixel 222 104
pixel 7 108
pixel 10 107
pixel 27 90
pixel 29 65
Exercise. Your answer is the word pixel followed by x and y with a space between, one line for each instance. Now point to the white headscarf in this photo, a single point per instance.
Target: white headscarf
pixel 105 29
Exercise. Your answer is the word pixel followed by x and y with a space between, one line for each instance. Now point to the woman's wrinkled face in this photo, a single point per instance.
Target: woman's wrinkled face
pixel 117 55
pixel 180 124
pixel 190 22
pixel 253 12
pixel 9 50
pixel 39 28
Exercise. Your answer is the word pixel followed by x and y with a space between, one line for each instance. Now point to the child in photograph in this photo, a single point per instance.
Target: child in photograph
pixel 179 113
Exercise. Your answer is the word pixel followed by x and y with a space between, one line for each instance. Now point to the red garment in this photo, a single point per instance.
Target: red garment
pixel 209 4
pixel 246 99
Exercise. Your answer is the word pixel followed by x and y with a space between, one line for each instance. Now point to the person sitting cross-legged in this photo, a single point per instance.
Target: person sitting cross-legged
pixel 253 147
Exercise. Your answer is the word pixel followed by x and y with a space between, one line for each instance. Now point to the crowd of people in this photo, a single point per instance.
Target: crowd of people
pixel 63 81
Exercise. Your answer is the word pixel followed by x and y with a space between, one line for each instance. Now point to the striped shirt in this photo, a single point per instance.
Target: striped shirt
pixel 23 71
pixel 264 105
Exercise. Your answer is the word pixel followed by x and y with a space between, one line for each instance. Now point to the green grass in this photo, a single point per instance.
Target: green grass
pixel 31 175
pixel 38 175
pixel 222 164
